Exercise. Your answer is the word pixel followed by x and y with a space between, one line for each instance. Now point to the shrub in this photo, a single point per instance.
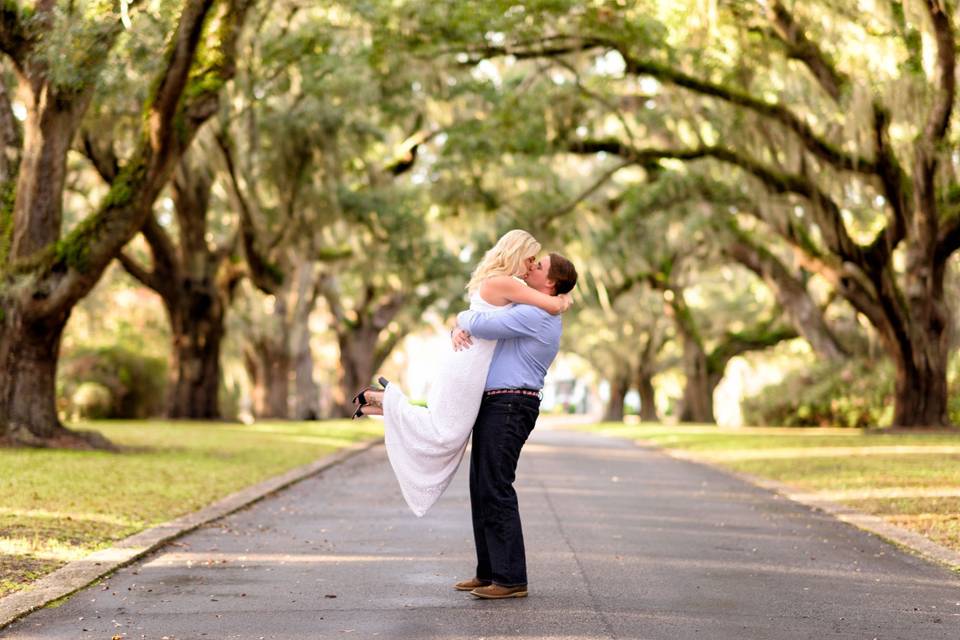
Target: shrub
pixel 92 401
pixel 856 393
pixel 133 383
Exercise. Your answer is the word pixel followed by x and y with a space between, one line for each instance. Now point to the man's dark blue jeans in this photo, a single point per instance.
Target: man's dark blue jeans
pixel 502 427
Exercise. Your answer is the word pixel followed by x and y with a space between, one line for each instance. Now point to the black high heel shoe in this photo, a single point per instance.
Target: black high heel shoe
pixel 361 401
pixel 383 382
pixel 361 397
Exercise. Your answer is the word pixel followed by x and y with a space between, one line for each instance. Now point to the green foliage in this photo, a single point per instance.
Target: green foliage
pixel 857 393
pixel 130 379
pixel 76 45
pixel 7 197
pixel 74 249
pixel 92 401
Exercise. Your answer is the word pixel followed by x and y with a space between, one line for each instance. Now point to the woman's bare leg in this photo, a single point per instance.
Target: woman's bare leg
pixel 374 397
pixel 372 410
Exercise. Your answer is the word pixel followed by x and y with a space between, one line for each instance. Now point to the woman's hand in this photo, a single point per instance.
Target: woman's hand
pixel 461 339
pixel 567 300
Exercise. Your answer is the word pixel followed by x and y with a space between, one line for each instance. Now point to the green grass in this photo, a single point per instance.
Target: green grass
pixel 909 479
pixel 59 505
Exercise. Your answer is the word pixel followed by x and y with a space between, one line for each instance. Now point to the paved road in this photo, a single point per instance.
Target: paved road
pixel 622 542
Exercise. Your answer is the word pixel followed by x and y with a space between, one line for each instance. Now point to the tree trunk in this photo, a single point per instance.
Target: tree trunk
pixel 50 278
pixel 920 392
pixel 193 381
pixel 697 405
pixel 358 365
pixel 305 392
pixel 918 338
pixel 619 385
pixel 28 362
pixel 648 401
pixel 29 348
pixel 268 365
pixel 48 131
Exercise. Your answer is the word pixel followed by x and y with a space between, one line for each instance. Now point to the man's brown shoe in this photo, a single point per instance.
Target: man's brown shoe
pixel 471 584
pixel 496 592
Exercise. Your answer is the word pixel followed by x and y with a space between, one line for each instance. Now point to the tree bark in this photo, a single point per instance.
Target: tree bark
pixel 197 328
pixel 918 335
pixel 268 365
pixel 44 274
pixel 28 357
pixel 697 404
pixel 648 398
pixel 364 340
pixel 920 391
pixel 306 393
pixel 48 133
pixel 619 386
pixel 358 364
pixel 187 277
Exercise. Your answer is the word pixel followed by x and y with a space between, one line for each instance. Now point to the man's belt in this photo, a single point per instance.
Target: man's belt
pixel 520 392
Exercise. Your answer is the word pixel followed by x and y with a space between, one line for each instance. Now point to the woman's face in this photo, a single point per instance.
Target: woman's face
pixel 528 265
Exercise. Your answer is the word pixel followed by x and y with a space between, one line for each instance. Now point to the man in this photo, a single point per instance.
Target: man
pixel 529 339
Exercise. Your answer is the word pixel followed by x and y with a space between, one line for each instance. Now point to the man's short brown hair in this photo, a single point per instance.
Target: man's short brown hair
pixel 563 274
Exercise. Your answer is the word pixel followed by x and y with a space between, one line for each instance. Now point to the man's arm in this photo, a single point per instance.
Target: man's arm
pixel 521 321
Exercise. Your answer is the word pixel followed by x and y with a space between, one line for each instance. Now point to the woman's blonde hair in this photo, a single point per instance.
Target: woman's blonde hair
pixel 506 258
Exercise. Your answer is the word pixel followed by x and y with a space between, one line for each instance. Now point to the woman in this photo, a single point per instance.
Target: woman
pixel 425 444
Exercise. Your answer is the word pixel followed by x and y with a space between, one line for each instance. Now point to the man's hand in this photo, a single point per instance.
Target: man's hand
pixel 461 339
pixel 567 301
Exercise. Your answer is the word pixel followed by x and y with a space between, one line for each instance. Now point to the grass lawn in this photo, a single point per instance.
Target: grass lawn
pixel 59 505
pixel 909 479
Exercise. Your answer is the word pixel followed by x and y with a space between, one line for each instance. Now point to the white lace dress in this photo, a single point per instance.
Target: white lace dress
pixel 426 444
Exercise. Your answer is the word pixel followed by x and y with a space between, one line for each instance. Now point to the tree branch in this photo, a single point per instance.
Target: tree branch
pixel 938 120
pixel 11 137
pixel 330 291
pixel 928 150
pixel 894 181
pixel 761 336
pixel 543 48
pixel 165 263
pixel 602 180
pixel 949 239
pixel 827 212
pixel 800 47
pixel 140 273
pixel 790 291
pixel 264 275
pixel 814 143
pixel 177 106
pixel 102 157
pixel 819 147
pixel 14 39
pixel 406 161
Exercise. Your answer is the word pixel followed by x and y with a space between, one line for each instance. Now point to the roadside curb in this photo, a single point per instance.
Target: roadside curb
pixel 79 574
pixel 873 524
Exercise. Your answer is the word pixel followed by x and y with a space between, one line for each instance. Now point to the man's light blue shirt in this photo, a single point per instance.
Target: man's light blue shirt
pixel 529 339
